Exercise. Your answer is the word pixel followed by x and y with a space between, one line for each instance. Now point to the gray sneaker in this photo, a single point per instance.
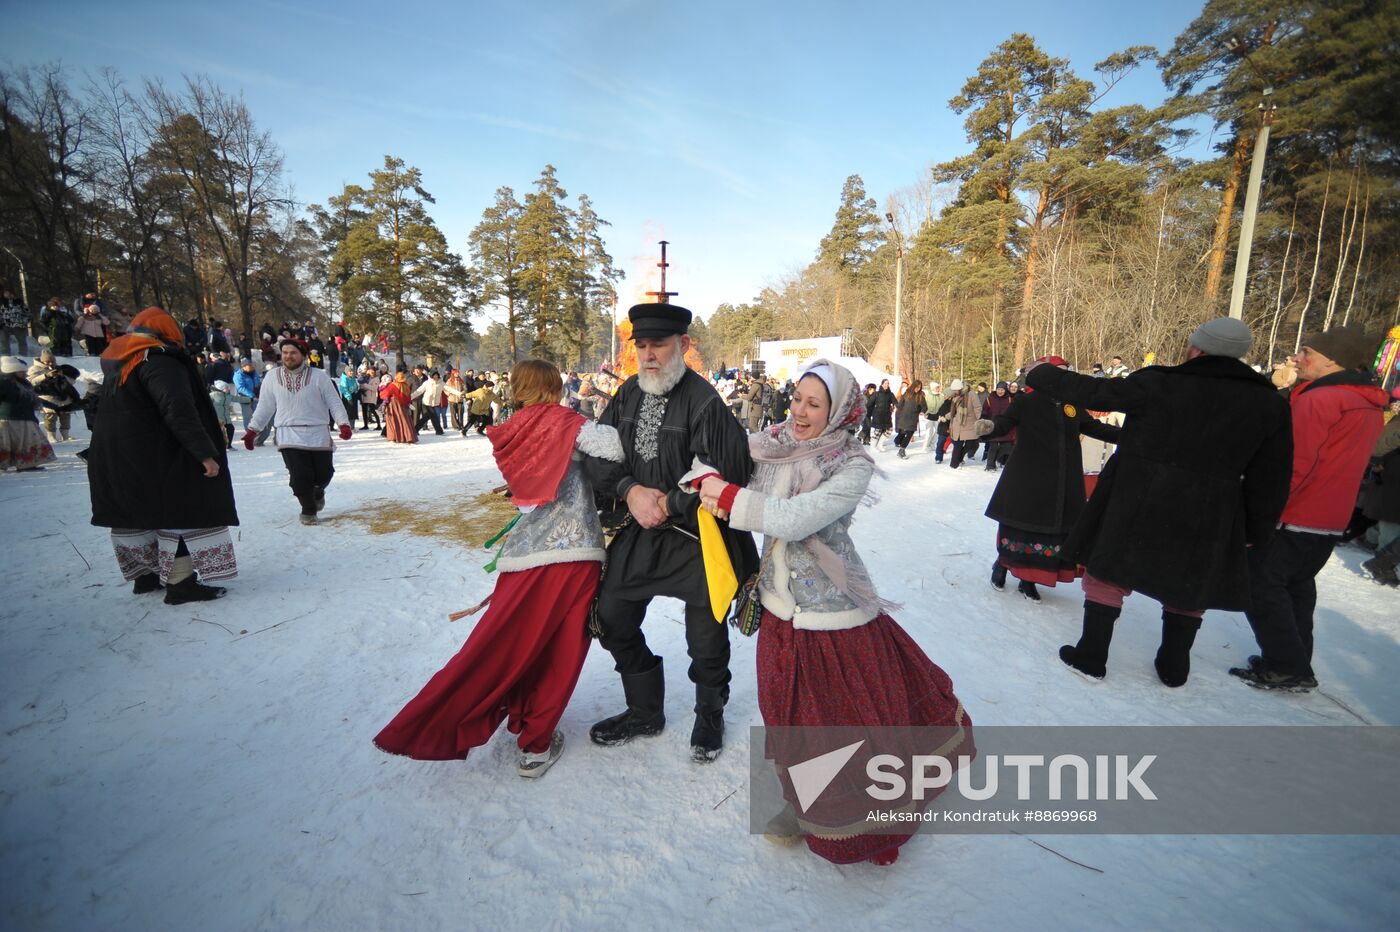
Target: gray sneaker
pixel 532 766
pixel 309 519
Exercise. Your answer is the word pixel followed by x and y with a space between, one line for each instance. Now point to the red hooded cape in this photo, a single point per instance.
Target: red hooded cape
pixel 532 450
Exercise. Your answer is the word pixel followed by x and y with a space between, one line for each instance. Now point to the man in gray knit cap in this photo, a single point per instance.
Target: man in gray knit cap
pixel 1201 474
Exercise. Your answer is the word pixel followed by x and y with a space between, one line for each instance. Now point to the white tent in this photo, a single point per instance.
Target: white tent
pixel 865 373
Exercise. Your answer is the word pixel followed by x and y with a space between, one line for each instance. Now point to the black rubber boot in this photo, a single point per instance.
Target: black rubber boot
pixel 646 709
pixel 707 737
pixel 1090 655
pixel 191 590
pixel 998 576
pixel 1173 660
pixel 1028 591
pixel 146 582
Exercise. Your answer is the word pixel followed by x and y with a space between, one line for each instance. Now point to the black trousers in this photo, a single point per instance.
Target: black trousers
pixel 350 405
pixel 432 414
pixel 1283 595
pixel 901 438
pixel 997 454
pixel 961 449
pixel 308 471
pixel 707 640
pixel 368 410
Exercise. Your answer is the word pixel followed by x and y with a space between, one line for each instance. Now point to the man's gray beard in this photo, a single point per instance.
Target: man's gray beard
pixel 666 379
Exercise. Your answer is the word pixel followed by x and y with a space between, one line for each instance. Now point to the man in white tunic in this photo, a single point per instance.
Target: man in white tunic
pixel 300 401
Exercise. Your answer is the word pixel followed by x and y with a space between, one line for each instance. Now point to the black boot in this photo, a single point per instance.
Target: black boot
pixel 1173 660
pixel 191 589
pixel 646 709
pixel 1029 591
pixel 146 582
pixel 1381 567
pixel 320 495
pixel 1090 655
pixel 707 737
pixel 998 576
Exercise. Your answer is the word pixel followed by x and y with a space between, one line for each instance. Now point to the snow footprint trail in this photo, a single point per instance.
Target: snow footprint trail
pixel 160 773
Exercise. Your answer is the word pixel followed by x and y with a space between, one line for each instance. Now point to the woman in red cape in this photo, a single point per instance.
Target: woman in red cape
pixel 522 661
pixel 396 397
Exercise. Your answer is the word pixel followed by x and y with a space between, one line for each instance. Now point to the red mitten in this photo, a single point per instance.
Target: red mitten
pixel 249 437
pixel 346 431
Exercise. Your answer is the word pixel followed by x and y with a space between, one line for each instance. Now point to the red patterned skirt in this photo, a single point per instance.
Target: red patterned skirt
pixel 1035 557
pixel 873 675
pixel 520 665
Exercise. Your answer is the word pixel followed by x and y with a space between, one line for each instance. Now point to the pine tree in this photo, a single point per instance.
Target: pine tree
pixel 495 243
pixel 548 261
pixel 857 233
pixel 394 265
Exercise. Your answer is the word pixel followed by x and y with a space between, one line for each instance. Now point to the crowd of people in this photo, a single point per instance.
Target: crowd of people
pixel 1206 485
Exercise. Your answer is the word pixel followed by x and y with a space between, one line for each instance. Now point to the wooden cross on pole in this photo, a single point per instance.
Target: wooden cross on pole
pixel 663 296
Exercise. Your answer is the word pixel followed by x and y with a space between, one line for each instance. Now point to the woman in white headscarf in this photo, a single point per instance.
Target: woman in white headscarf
pixel 828 652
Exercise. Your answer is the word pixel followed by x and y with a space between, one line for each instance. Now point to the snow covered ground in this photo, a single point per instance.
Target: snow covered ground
pixel 159 769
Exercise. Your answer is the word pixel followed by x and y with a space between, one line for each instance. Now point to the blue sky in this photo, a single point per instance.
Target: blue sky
pixel 725 128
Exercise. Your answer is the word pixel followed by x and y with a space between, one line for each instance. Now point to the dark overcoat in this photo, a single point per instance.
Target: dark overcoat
pixel 144 465
pixel 1042 487
pixel 1202 468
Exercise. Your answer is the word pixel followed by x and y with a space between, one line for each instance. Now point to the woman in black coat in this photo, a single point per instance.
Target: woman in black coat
pixel 1041 492
pixel 881 408
pixel 157 468
pixel 911 405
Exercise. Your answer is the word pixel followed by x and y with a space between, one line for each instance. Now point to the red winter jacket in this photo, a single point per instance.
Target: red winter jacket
pixel 1336 420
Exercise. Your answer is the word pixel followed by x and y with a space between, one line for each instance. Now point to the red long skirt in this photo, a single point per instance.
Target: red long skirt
pixel 868 676
pixel 520 664
pixel 398 424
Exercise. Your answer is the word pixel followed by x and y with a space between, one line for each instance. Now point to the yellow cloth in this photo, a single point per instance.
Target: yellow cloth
pixel 719 572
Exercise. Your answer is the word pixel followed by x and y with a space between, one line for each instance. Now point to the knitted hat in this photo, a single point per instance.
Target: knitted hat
pixel 1223 336
pixel 1349 347
pixel 956 385
pixel 220 385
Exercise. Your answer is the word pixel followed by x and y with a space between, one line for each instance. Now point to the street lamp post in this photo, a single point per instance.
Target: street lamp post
pixel 1251 205
pixel 1256 177
pixel 898 288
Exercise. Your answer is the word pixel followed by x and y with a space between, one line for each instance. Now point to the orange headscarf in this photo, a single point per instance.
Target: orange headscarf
pixel 148 330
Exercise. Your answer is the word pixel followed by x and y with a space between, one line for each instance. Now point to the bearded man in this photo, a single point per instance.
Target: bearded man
pixel 667 417
pixel 300 400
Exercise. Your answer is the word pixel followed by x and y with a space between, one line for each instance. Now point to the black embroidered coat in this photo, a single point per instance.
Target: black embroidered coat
pixel 660 439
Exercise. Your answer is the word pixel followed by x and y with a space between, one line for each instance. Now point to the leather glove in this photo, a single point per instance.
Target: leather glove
pixel 345 431
pixel 249 437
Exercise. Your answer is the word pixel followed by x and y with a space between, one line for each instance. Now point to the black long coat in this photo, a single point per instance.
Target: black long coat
pixel 144 465
pixel 1202 469
pixel 1042 487
pixel 644 562
pixel 1381 498
pixel 881 407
